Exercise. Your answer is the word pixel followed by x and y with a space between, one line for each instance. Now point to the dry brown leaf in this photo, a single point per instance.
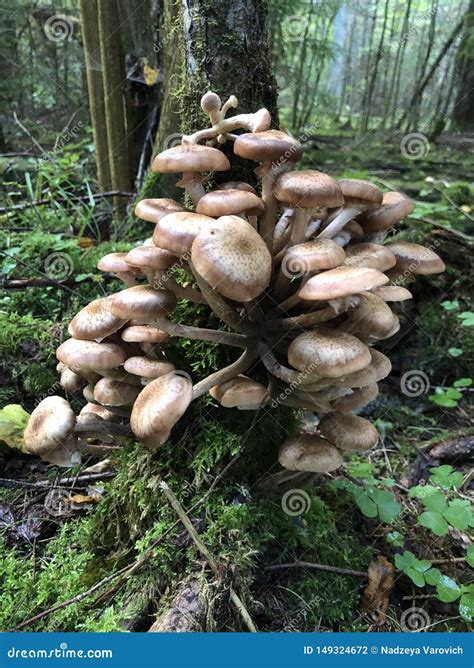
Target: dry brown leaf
pixel 376 595
pixel 84 499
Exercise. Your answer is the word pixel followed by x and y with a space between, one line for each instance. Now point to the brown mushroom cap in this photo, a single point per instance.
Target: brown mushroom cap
pixel 348 431
pixel 50 425
pixel 177 231
pixel 90 354
pixel 328 353
pixel 268 146
pixel 307 452
pixel 392 293
pixel 373 256
pixel 355 230
pixel 415 258
pixel 395 207
pixel 150 257
pixel 71 381
pixel 99 411
pixel 114 263
pixel 148 367
pixel 95 321
pixel 359 398
pixel 143 303
pixel 110 392
pixel 153 210
pixel 233 258
pixel 242 392
pixel 370 317
pixel 313 255
pixel 158 407
pixel 230 202
pixel 358 192
pixel 341 282
pixel 239 185
pixel 144 334
pixel 190 158
pixel 307 189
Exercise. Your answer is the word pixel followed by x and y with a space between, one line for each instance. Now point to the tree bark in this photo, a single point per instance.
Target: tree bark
pixel 463 110
pixel 95 88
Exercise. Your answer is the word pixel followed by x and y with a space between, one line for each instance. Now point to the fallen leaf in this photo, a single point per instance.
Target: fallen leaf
pixel 375 598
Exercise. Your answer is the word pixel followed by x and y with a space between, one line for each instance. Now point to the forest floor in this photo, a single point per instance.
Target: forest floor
pixel 104 544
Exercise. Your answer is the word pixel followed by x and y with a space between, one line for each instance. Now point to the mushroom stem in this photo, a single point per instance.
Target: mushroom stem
pixel 221 308
pixel 341 219
pixel 192 184
pixel 313 227
pixel 201 334
pixel 299 223
pixel 183 292
pixel 227 373
pixel 267 221
pixel 304 320
pixel 127 277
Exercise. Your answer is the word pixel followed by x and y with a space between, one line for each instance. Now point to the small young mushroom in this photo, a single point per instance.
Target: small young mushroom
pixel 370 318
pixel 148 367
pixel 71 381
pixel 190 159
pixel 114 263
pixel 358 398
pixel 348 432
pixel 392 293
pixel 328 353
pixel 153 210
pixel 95 321
pixel 241 392
pixel 308 452
pixel 358 196
pixel 50 425
pixel 152 261
pixel 230 202
pixel 110 392
pixel 232 258
pixel 99 411
pixel 158 407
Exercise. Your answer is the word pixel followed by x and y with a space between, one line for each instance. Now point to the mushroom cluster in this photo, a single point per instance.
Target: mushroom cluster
pixel 297 273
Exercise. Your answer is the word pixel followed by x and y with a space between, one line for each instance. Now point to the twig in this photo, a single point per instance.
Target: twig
pixel 42 484
pixel 452 560
pixel 23 283
pixel 178 508
pixel 448 230
pixel 319 567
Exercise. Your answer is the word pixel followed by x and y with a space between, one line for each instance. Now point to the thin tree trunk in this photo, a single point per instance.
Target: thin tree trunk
pixel 378 55
pixel 399 64
pixel 415 111
pixel 114 81
pixel 463 110
pixel 95 88
pixel 367 68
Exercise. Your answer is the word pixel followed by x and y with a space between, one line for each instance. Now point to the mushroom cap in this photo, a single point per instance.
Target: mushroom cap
pixel 348 432
pixel 379 368
pixel 355 230
pixel 144 334
pixel 308 452
pixel 71 381
pixel 307 189
pixel 99 411
pixel 341 282
pixel 237 185
pixel 373 256
pixel 328 353
pixel 90 355
pixel 158 407
pixel 114 263
pixel 150 257
pixel 357 191
pixel 230 202
pixel 111 392
pixel 177 231
pixel 370 317
pixel 268 146
pixel 314 255
pixel 395 207
pixel 153 210
pixel 143 303
pixel 392 293
pixel 49 426
pixel 233 258
pixel 95 321
pixel 190 158
pixel 415 258
pixel 240 391
pixel 148 367
pixel 358 398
